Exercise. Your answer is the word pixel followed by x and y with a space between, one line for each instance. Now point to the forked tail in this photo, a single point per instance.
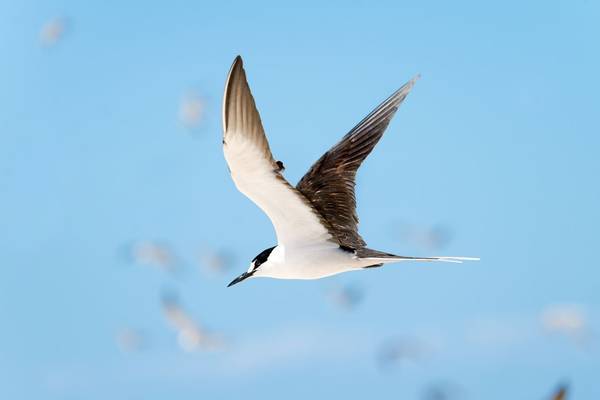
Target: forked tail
pixel 383 257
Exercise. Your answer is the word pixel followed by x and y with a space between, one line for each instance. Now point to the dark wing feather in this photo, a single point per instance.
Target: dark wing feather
pixel 329 184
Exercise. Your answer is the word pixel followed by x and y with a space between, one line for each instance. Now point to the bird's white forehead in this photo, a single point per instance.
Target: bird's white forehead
pixel 251 266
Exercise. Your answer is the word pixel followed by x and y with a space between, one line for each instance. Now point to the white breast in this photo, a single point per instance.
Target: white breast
pixel 309 262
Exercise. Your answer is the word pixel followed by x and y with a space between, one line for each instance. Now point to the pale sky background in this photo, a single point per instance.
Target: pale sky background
pixel 498 143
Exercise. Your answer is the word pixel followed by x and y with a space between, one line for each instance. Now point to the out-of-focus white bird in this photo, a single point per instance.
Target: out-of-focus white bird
pixel 434 237
pixel 216 261
pixel 190 335
pixel 53 31
pixel 152 253
pixel 192 110
pixel 130 340
pixel 567 319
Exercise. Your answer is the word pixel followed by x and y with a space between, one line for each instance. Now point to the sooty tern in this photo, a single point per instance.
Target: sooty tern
pixel 315 222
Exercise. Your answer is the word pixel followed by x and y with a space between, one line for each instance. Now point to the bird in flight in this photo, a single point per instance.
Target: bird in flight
pixel 315 222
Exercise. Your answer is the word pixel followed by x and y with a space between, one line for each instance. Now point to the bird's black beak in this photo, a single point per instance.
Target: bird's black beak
pixel 240 278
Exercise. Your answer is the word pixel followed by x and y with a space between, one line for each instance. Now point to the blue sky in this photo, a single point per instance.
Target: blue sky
pixel 498 142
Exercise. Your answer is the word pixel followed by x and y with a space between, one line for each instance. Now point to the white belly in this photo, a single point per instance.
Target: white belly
pixel 311 262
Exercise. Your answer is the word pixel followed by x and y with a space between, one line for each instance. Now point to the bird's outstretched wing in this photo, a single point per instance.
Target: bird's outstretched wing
pixel 329 184
pixel 256 173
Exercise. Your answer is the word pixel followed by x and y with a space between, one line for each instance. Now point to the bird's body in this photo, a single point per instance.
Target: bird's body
pixel 313 261
pixel 315 222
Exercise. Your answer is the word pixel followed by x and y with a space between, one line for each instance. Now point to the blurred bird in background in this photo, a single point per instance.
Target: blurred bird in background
pixel 151 253
pixel 443 391
pixel 216 261
pixel 190 335
pixel 569 320
pixel 130 340
pixel 346 297
pixel 192 110
pixel 429 238
pixel 560 393
pixel 53 31
pixel 401 351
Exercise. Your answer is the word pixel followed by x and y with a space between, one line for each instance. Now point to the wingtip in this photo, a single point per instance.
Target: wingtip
pixel 236 66
pixel 236 70
pixel 409 85
pixel 400 94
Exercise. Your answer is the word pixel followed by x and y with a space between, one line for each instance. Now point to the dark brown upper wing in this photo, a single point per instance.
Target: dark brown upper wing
pixel 329 184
